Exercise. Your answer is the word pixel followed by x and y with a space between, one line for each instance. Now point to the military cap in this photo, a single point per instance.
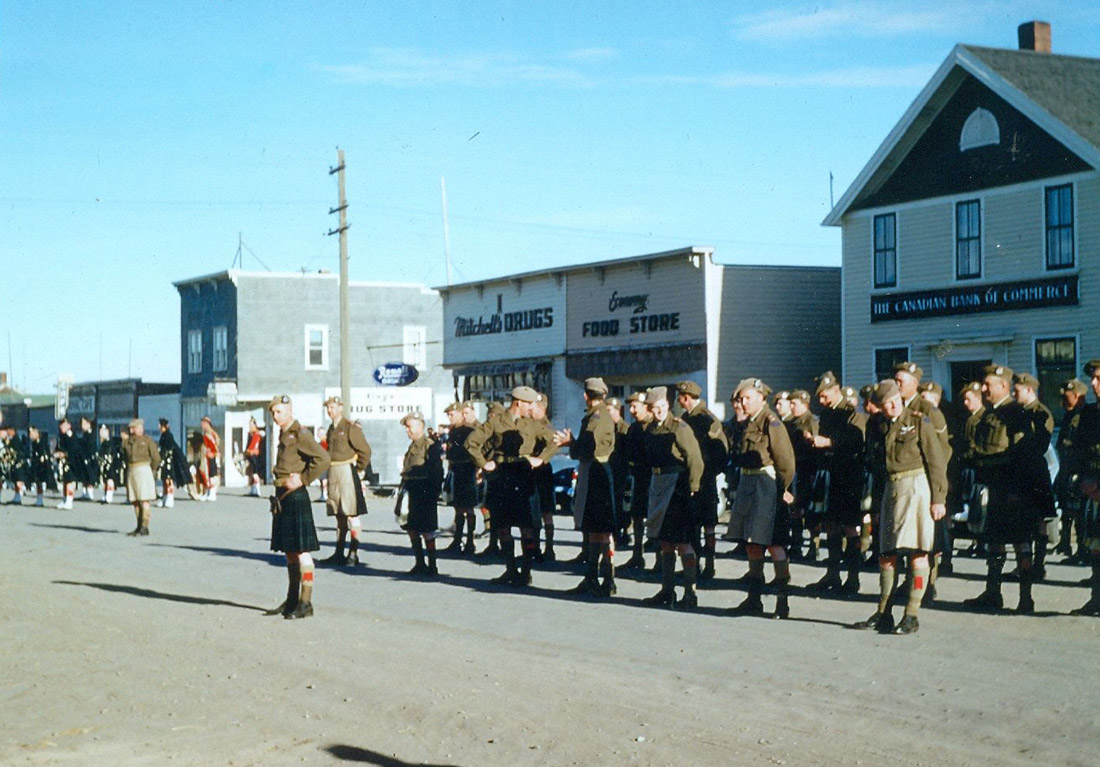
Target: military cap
pixel 204 418
pixel 974 386
pixel 932 386
pixel 161 421
pixel 278 399
pixel 139 422
pixel 781 395
pixel 542 399
pixel 595 386
pixel 1091 367
pixel 1000 371
pixel 689 388
pixel 453 407
pixel 413 416
pixel 1026 379
pixel 911 368
pixel 883 391
pixel 638 396
pixel 333 400
pixel 615 402
pixel 468 403
pixel 1075 386
pixel 752 383
pixel 655 394
pixel 800 394
pixel 524 394
pixel 826 380
pixel 868 391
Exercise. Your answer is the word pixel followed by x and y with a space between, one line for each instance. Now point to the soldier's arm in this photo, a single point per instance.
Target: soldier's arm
pixel 782 454
pixel 693 457
pixel 316 458
pixel 476 442
pixel 154 456
pixel 546 442
pixel 358 442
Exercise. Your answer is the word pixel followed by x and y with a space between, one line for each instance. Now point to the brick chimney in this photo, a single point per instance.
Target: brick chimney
pixel 3 380
pixel 1034 36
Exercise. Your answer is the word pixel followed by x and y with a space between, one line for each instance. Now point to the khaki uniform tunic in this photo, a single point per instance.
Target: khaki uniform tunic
pixel 766 461
pixel 349 453
pixel 593 447
pixel 143 460
pixel 677 472
pixel 298 453
pixel 916 478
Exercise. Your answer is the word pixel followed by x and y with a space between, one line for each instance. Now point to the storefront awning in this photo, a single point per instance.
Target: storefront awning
pixel 500 368
pixel 657 360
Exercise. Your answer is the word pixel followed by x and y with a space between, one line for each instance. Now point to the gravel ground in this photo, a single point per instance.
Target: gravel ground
pixel 152 651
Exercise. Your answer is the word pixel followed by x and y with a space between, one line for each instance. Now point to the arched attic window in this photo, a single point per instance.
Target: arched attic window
pixel 980 129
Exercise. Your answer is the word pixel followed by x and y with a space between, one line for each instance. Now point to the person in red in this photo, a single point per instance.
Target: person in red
pixel 211 449
pixel 254 455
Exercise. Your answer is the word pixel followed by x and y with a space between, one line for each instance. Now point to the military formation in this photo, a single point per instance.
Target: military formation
pixel 878 478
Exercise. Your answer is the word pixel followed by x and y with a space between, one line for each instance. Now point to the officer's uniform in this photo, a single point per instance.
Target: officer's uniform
pixel 349 455
pixel 462 471
pixel 640 473
pixel 766 461
pixel 715 451
pixel 805 465
pixel 1087 462
pixel 594 500
pixel 292 528
pixel 1066 487
pixel 422 477
pixel 142 460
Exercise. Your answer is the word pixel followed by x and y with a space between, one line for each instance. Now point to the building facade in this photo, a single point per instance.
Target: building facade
pixel 972 236
pixel 641 321
pixel 248 336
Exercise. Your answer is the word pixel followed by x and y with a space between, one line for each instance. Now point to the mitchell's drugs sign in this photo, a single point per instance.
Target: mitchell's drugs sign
pixel 972 299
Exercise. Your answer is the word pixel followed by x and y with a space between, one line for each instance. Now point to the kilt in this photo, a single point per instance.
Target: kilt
pixel 140 485
pixel 755 516
pixel 511 488
pixel 422 497
pixel 342 495
pixel 639 499
pixel 1011 516
pixel 292 528
pixel 845 500
pixel 670 502
pixel 463 481
pixel 706 501
pixel 542 499
pixel 598 514
pixel 905 517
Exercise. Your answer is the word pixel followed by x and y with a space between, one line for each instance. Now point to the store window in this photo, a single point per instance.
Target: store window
pixel 1059 226
pixel 886 359
pixel 886 251
pixel 316 342
pixel 968 240
pixel 221 349
pixel 1055 363
pixel 194 351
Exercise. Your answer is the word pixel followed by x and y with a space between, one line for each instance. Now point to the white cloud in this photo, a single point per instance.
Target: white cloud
pixel 864 19
pixel 855 77
pixel 407 66
pixel 592 54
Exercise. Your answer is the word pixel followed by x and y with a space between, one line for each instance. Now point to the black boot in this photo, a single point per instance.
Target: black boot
pixel 294 582
pixel 337 559
pixel 1026 605
pixel 753 605
pixel 853 562
pixel 990 600
pixel 666 597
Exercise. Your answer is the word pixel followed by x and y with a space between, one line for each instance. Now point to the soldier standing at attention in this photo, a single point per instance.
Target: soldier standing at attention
pixel 594 500
pixel 67 455
pixel 1066 486
pixel 462 476
pixel 999 447
pixel 640 472
pixel 349 453
pixel 839 443
pixel 89 468
pixel 801 423
pixel 422 476
pixel 619 472
pixel 542 498
pixel 677 467
pixel 781 405
pixel 299 460
pixel 509 438
pixel 760 512
pixel 1025 390
pixel 914 497
pixel 173 465
pixel 142 462
pixel 1087 461
pixel 494 410
pixel 715 449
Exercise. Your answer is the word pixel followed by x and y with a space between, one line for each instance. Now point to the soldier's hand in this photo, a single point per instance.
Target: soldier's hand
pixel 563 437
pixel 820 441
pixel 788 496
pixel 535 461
pixel 489 466
pixel 294 481
pixel 939 511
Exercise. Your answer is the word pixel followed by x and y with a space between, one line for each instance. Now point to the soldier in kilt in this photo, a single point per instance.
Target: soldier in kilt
pixel 462 477
pixel 422 481
pixel 174 471
pixel 299 461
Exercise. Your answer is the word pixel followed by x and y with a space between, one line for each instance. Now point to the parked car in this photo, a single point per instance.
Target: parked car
pixel 565 484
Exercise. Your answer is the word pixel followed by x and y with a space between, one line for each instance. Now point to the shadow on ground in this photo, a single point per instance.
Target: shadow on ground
pixel 150 594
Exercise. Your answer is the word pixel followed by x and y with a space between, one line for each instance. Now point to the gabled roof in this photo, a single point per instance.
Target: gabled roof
pixel 1060 94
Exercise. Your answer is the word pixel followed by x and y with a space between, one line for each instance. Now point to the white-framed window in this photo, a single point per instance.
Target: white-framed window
pixel 968 240
pixel 886 250
pixel 194 351
pixel 1055 363
pixel 415 350
pixel 316 343
pixel 886 358
pixel 221 348
pixel 1058 215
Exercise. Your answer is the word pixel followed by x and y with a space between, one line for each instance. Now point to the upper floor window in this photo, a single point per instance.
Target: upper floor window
pixel 1055 363
pixel 316 347
pixel 887 358
pixel 980 129
pixel 886 251
pixel 415 352
pixel 1059 223
pixel 968 240
pixel 194 351
pixel 221 348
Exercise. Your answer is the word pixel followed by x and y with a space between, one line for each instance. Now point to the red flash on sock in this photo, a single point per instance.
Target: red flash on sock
pixel 918 581
pixel 307 577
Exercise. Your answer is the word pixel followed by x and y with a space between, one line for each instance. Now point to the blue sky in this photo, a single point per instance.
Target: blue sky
pixel 137 140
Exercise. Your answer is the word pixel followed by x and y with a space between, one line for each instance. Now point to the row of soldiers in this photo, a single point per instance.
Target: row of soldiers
pixel 80 462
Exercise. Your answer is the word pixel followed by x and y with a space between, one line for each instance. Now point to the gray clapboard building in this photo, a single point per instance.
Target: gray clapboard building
pixel 641 321
pixel 973 234
pixel 247 336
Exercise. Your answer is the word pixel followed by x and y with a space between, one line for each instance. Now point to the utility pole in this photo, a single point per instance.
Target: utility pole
pixel 446 229
pixel 345 332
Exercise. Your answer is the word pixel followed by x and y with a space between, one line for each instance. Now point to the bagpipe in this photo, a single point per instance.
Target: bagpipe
pixel 401 507
pixel 819 492
pixel 975 502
